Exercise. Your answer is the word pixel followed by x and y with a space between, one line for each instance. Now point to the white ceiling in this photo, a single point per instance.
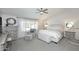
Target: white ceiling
pixel 28 12
pixel 31 12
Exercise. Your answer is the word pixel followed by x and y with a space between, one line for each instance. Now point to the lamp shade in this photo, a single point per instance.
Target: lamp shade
pixel 69 24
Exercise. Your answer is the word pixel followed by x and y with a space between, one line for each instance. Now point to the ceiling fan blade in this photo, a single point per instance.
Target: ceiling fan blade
pixel 39 10
pixel 45 9
pixel 46 12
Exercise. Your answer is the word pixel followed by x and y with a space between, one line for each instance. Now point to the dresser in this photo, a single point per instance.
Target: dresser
pixel 12 31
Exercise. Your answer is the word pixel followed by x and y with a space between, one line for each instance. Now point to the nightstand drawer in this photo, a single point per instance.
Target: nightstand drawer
pixel 69 34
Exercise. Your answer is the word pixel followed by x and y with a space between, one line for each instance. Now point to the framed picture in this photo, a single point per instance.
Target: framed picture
pixel 10 21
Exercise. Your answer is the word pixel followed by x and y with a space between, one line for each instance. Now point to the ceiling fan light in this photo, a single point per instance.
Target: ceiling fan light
pixel 41 12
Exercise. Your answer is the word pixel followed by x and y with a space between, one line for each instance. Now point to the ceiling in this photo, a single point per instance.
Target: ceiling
pixel 31 12
pixel 28 12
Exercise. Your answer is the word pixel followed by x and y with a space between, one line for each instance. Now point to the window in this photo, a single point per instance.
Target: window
pixel 27 25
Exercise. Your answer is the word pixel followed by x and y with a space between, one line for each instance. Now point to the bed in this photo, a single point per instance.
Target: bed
pixel 53 33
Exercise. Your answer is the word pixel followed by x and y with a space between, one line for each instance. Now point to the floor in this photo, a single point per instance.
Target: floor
pixel 39 45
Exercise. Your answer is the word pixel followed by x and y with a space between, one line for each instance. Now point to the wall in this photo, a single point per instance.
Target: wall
pixel 21 31
pixel 67 16
pixel 18 23
pixel 63 17
pixel 4 17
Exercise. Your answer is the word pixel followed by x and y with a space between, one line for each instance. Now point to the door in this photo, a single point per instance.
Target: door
pixel 0 24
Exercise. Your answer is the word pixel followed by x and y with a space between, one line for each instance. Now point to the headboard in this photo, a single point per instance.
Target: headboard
pixel 56 27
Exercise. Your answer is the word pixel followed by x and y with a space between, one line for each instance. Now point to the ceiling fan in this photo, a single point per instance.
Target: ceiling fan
pixel 42 11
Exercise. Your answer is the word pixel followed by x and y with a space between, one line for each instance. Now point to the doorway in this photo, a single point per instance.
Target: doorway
pixel 0 25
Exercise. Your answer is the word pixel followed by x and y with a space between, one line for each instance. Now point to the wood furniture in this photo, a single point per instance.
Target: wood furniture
pixel 3 38
pixel 11 35
pixel 70 33
pixel 12 31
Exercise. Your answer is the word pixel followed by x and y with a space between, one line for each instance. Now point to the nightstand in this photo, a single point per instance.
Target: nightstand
pixel 70 33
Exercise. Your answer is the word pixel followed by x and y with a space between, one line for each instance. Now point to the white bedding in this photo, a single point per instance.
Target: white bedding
pixel 54 33
pixel 50 35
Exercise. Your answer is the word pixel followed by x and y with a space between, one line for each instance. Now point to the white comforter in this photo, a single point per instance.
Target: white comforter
pixel 55 34
pixel 51 35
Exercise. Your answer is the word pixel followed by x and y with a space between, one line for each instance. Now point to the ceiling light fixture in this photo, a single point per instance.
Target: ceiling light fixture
pixel 42 11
